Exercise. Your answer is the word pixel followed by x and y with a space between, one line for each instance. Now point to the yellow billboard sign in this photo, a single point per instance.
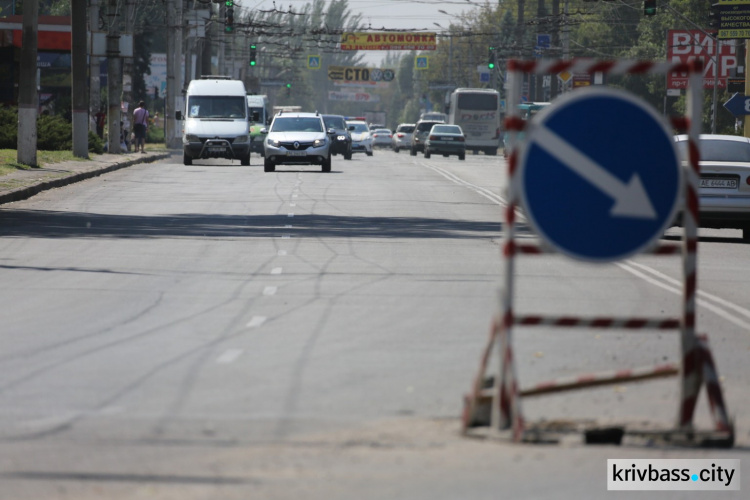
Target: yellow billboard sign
pixel 389 40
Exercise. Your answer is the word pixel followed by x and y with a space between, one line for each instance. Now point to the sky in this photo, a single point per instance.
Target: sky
pixel 389 14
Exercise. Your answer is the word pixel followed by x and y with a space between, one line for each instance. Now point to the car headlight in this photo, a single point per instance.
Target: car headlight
pixel 241 139
pixel 273 142
pixel 192 138
pixel 341 138
pixel 319 142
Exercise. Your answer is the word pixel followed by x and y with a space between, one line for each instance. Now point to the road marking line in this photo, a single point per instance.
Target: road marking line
pixel 282 252
pixel 229 356
pixel 292 204
pixel 288 226
pixel 276 270
pixel 702 296
pixel 286 236
pixel 256 321
pixel 270 290
pixel 290 215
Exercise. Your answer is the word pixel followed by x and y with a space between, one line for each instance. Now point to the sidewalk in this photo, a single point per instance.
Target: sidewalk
pixel 23 184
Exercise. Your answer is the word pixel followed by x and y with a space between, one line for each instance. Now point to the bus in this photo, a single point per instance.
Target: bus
pixel 477 112
pixel 259 116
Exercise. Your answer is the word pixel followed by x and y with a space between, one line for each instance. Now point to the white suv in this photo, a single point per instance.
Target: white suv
pixel 297 139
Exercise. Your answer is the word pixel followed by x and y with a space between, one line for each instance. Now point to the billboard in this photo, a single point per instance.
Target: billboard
pixel 388 40
pixel 687 45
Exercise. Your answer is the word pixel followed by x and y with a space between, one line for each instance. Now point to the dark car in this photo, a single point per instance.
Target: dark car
pixel 341 139
pixel 445 140
pixel 421 131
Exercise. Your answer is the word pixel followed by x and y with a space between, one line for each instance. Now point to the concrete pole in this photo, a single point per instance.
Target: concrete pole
pixel 169 101
pixel 95 91
pixel 28 98
pixel 80 112
pixel 114 78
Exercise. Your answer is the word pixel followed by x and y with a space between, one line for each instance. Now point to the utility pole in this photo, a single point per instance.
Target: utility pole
pixel 78 89
pixel 169 101
pixel 114 78
pixel 95 91
pixel 28 98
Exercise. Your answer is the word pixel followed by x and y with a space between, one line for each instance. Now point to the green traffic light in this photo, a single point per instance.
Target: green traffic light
pixel 288 85
pixel 252 63
pixel 229 3
pixel 491 65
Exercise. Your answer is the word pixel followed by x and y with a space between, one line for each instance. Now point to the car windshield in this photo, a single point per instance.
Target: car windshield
pixel 446 129
pixel 719 150
pixel 425 127
pixel 360 127
pixel 382 131
pixel 216 107
pixel 297 124
pixel 336 122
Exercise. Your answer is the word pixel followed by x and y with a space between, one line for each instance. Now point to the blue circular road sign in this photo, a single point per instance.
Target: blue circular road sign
pixel 599 175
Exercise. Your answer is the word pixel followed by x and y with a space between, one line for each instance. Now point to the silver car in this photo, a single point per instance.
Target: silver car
pixel 724 190
pixel 296 138
pixel 402 137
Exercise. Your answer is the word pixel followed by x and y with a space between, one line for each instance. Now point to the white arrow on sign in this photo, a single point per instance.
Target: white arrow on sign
pixel 631 199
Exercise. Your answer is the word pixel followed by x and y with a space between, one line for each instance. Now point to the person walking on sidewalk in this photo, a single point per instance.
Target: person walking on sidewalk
pixel 140 121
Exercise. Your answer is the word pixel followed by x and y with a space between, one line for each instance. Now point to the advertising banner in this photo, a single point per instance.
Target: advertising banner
pixel 354 74
pixel 388 40
pixel 353 96
pixel 687 45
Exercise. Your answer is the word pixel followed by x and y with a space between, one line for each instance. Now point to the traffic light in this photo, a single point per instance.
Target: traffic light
pixel 288 89
pixel 714 16
pixel 649 7
pixel 491 57
pixel 253 55
pixel 229 24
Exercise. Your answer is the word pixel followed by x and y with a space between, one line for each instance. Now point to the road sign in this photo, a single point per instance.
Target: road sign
pixel 421 62
pixel 738 105
pixel 313 62
pixel 599 175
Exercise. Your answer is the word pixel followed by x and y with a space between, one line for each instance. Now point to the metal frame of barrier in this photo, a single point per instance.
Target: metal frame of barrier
pixel 501 393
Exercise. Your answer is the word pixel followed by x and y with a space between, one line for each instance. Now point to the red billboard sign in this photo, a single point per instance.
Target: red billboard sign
pixel 687 45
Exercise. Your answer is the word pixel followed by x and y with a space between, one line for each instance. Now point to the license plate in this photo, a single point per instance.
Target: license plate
pixel 216 150
pixel 446 138
pixel 719 183
pixel 296 153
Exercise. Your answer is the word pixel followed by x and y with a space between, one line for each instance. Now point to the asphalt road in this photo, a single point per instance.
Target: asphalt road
pixel 213 331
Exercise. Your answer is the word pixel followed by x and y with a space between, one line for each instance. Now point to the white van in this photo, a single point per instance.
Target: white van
pixel 216 120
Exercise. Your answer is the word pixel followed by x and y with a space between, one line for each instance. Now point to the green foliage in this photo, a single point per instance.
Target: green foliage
pixel 8 128
pixel 96 145
pixel 54 133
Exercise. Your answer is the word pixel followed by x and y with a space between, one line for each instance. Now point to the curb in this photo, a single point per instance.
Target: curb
pixel 27 192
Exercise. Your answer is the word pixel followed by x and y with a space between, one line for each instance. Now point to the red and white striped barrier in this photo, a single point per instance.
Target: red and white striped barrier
pixel 697 363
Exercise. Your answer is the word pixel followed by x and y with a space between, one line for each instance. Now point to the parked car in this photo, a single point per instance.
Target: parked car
pixel 421 130
pixel 724 190
pixel 445 140
pixel 341 139
pixel 381 138
pixel 402 137
pixel 296 138
pixel 361 138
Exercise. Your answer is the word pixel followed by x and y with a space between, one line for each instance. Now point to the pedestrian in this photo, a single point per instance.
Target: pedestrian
pixel 140 122
pixel 101 118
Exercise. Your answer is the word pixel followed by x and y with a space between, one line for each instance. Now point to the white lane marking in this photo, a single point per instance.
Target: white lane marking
pixel 256 321
pixel 229 356
pixel 282 252
pixel 276 270
pixel 286 236
pixel 490 195
pixel 631 198
pixel 702 297
pixel 295 196
pixel 290 215
pixel 292 204
pixel 270 290
pixel 288 226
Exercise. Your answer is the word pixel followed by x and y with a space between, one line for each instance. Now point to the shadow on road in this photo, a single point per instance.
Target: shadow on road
pixel 50 224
